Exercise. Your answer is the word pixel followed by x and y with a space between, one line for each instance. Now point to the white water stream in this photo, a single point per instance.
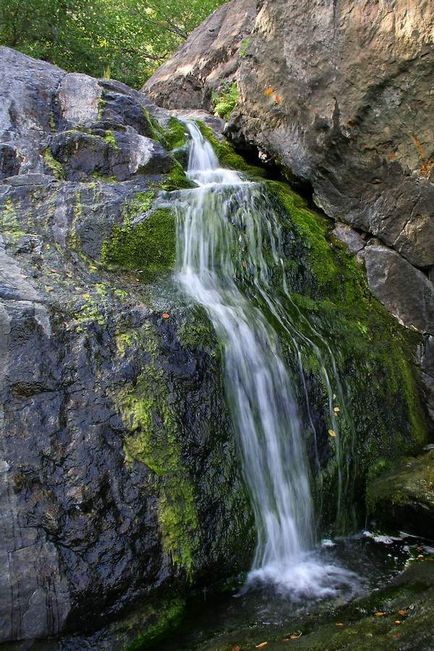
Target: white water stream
pixel 228 232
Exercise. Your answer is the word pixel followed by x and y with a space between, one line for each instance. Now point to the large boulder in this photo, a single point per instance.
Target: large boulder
pixel 207 61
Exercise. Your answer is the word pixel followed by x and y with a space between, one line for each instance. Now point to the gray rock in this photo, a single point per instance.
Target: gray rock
pixel 404 290
pixel 349 236
pixel 208 59
pixel 79 98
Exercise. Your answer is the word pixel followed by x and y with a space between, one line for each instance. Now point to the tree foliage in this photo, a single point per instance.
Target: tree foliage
pixel 123 39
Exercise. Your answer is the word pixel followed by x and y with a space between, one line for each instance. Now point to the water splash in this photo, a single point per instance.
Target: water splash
pixel 229 244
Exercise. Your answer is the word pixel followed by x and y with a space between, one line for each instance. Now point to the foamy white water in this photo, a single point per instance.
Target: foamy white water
pixel 227 235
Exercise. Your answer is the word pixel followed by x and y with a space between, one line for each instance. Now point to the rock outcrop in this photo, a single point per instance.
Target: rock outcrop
pixel 207 61
pixel 118 460
pixel 339 94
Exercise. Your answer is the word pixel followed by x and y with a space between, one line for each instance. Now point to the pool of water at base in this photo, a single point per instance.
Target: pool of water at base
pixel 239 620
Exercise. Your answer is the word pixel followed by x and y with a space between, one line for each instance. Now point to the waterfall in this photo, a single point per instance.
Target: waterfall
pixel 229 243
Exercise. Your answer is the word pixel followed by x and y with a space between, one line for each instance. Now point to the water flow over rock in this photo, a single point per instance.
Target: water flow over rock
pixel 229 242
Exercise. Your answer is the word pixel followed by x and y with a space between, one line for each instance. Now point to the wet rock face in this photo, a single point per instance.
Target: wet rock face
pixel 106 496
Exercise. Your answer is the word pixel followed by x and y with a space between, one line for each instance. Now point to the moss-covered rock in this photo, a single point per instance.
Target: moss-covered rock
pixel 401 494
pixel 148 247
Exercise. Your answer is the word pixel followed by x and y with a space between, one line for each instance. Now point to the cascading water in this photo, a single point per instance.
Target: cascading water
pixel 228 241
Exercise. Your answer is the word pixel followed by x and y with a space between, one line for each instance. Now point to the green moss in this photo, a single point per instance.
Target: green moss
pixel 225 100
pixel 53 165
pixel 367 354
pixel 244 46
pixel 140 203
pixel 110 139
pixel 161 621
pixel 89 312
pixel 103 178
pixel 153 440
pixel 197 331
pixel 9 220
pixel 148 247
pixel 177 179
pixel 101 107
pixel 404 482
pixel 175 136
pixel 156 131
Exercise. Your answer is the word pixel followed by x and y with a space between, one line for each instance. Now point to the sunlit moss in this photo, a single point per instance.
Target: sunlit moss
pixel 55 167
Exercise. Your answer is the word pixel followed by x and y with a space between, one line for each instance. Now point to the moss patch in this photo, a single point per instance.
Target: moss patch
pixel 110 139
pixel 403 491
pixel 162 620
pixel 153 440
pixel 53 165
pixel 9 220
pixel 148 247
pixel 225 100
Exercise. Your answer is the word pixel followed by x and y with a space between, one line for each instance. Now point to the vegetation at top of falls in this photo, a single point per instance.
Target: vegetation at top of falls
pixel 225 100
pixel 125 40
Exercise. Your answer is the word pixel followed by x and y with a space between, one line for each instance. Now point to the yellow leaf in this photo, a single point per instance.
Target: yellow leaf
pixel 379 613
pixel 261 645
pixel 332 432
pixel 336 410
pixel 268 91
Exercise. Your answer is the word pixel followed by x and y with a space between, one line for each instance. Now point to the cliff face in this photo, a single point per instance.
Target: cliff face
pixel 115 438
pixel 340 95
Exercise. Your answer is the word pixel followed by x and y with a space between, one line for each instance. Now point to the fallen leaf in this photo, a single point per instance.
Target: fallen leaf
pixel 165 315
pixel 340 624
pixel 278 99
pixel 379 613
pixel 268 91
pixel 403 612
pixel 293 636
pixel 336 410
pixel 397 622
pixel 261 645
pixel 332 432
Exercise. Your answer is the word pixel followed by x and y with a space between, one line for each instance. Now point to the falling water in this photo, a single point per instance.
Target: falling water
pixel 228 240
